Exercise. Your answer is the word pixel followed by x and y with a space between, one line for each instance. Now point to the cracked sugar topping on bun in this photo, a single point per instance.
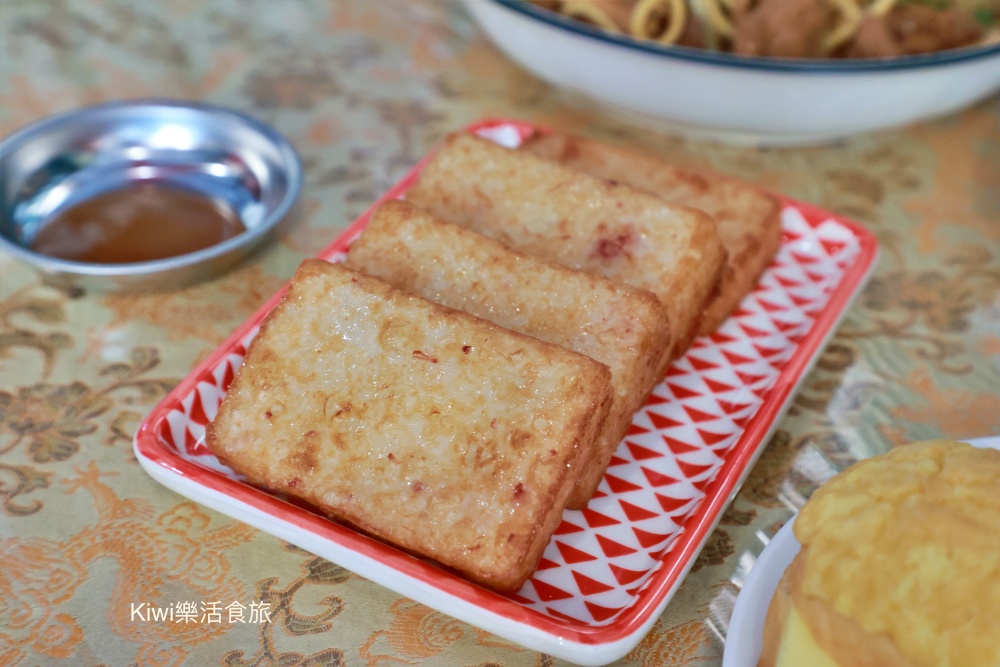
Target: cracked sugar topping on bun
pixel 907 545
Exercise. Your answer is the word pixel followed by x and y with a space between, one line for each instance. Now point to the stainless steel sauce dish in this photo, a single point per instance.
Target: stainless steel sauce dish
pixel 226 156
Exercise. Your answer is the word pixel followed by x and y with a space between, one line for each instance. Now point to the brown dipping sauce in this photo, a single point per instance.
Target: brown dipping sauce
pixel 139 223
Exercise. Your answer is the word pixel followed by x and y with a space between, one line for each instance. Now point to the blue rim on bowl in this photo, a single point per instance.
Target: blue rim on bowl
pixel 801 65
pixel 262 155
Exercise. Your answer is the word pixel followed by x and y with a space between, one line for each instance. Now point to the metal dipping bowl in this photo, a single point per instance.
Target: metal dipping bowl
pixel 60 161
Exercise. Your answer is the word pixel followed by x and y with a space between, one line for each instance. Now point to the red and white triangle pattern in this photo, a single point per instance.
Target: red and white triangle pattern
pixel 600 558
pixel 183 429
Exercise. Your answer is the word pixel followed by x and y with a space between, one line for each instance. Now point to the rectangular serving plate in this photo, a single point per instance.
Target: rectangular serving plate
pixel 611 568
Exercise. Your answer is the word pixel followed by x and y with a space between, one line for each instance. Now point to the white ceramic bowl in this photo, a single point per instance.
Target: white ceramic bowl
pixel 735 98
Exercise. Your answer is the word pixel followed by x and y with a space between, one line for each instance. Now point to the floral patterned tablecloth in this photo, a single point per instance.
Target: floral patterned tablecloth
pixel 363 89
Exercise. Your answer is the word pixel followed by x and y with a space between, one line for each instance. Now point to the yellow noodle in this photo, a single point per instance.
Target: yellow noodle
pixel 589 11
pixel 881 7
pixel 674 11
pixel 717 19
pixel 847 28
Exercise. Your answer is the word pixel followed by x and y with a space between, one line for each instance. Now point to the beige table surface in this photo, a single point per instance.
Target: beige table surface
pixel 363 90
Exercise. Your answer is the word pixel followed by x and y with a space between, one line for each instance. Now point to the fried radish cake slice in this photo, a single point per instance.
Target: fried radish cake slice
pixel 747 218
pixel 439 432
pixel 620 326
pixel 580 221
